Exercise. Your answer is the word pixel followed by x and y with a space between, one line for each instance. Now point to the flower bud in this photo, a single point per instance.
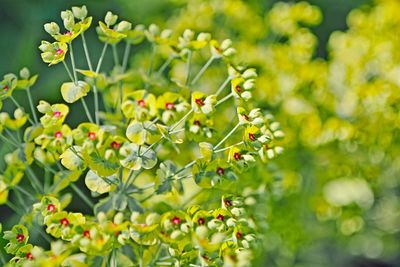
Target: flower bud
pixel 203 36
pixel 134 216
pixel 188 34
pixel 69 23
pixel 124 26
pixel 202 232
pixel 154 29
pixel 67 14
pixel 166 33
pixel 79 12
pixel 229 52
pixel 226 44
pixel 110 19
pixel 24 73
pixel 52 28
pixel 152 218
pixel 118 218
pixel 231 222
pixel 176 234
pixel 18 113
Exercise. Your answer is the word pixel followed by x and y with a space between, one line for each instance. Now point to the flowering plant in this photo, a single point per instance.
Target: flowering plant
pixel 160 153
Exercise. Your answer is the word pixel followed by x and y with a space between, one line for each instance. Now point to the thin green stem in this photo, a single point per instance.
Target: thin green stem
pixel 115 54
pixel 24 191
pixel 86 110
pixel 82 195
pixel 126 56
pixel 96 98
pixel 203 69
pixel 100 62
pixel 68 71
pixel 86 51
pixel 152 56
pixel 188 67
pixel 28 91
pixel 222 87
pixel 223 99
pixel 34 180
pixel 165 65
pixel 227 136
pixel 228 147
pixel 15 140
pixel 20 107
pixel 8 141
pixel 73 63
pixel 181 120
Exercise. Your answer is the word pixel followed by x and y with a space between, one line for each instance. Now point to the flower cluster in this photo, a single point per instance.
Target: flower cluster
pixel 129 150
pixel 177 237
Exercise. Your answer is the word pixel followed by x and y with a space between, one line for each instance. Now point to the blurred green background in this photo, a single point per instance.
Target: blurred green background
pixel 21 32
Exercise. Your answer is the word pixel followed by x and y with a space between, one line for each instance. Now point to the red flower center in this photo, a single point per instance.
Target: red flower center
pixel 252 137
pixel 58 134
pixel 86 233
pixel 227 202
pixel 196 122
pixel 20 238
pixel 92 136
pixel 57 114
pixel 245 117
pixel 68 33
pixel 64 222
pixel 199 101
pixel 238 88
pixel 176 220
pixel 141 103
pixel 115 145
pixel 5 88
pixel 51 207
pixel 220 217
pixel 201 221
pixel 169 105
pixel 239 235
pixel 29 256
pixel 220 171
pixel 59 51
pixel 237 156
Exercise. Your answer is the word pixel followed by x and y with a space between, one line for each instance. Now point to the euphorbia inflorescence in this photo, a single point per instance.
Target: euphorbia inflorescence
pixel 152 145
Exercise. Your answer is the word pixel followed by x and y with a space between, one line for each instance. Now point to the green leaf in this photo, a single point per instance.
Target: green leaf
pixel 88 73
pixel 140 133
pixel 100 165
pixel 97 184
pixel 134 159
pixel 71 160
pixel 207 150
pixel 72 92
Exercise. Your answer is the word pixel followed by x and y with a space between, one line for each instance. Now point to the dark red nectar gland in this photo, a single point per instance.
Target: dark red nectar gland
pixel 29 256
pixel 92 136
pixel 239 235
pixel 115 145
pixel 196 122
pixel 227 202
pixel 5 88
pixel 237 156
pixel 20 238
pixel 59 51
pixel 252 137
pixel 201 221
pixel 220 217
pixel 169 105
pixel 51 208
pixel 64 222
pixel 238 88
pixel 86 233
pixel 141 103
pixel 57 114
pixel 176 220
pixel 58 134
pixel 68 33
pixel 199 101
pixel 220 171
